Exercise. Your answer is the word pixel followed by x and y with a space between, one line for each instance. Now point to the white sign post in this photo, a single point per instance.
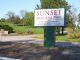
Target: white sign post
pixel 49 17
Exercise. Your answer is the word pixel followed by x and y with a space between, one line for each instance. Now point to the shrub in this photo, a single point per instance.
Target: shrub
pixel 0 26
pixel 8 28
pixel 72 35
pixel 69 30
pixel 29 31
pixel 78 34
pixel 19 32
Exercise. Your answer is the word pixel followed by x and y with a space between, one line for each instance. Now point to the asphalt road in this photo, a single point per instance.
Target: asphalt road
pixel 31 39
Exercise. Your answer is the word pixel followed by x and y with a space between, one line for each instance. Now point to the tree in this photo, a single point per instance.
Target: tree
pixel 22 12
pixel 72 18
pixel 10 16
pixel 2 19
pixel 70 22
pixel 55 4
pixel 13 18
pixel 79 18
pixel 17 20
pixel 78 22
pixel 28 19
pixel 38 7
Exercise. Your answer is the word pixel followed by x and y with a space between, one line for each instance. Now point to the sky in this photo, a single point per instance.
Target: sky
pixel 16 6
pixel 75 4
pixel 27 5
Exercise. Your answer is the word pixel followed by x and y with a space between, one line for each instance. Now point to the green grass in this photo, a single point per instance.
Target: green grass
pixel 66 39
pixel 37 30
pixel 24 29
pixel 62 38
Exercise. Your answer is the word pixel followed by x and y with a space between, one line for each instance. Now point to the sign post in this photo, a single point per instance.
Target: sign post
pixel 49 36
pixel 49 18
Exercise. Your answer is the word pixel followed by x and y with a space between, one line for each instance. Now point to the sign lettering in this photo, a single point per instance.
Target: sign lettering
pixel 49 17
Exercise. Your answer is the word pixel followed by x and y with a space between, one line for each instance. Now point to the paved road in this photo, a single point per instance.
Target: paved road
pixel 31 39
pixel 17 38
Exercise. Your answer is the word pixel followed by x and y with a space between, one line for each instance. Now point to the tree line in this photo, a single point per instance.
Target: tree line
pixel 26 18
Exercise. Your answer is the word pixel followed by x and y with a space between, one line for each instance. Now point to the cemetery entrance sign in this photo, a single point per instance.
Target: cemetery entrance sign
pixel 49 17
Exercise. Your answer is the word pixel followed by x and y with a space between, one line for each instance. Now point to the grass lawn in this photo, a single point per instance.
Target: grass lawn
pixel 24 29
pixel 37 30
pixel 66 39
pixel 60 38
